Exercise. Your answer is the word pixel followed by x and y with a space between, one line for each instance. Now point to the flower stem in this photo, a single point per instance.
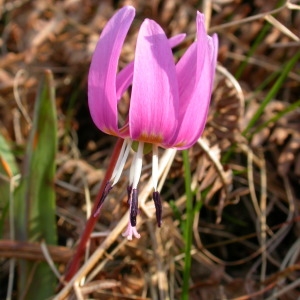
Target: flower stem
pixel 188 228
pixel 75 262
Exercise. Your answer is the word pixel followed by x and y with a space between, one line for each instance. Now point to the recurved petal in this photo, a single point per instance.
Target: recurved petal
pixel 154 100
pixel 195 73
pixel 102 97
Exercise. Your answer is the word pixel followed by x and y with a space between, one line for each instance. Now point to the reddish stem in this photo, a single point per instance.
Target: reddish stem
pixel 74 264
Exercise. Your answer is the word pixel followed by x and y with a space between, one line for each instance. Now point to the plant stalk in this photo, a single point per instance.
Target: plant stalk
pixel 188 228
pixel 77 258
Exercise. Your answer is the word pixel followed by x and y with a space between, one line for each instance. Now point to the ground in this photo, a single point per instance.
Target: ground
pixel 244 170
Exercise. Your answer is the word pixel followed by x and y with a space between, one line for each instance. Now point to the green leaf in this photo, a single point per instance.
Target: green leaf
pixel 8 168
pixel 35 196
pixel 8 165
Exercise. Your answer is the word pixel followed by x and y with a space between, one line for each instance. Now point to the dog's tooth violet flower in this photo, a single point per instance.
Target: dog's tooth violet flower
pixel 169 103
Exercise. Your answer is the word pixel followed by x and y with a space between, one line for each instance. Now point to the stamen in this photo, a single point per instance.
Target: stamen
pixel 155 166
pixel 131 171
pixel 119 159
pixel 133 207
pixel 137 165
pixel 158 207
pixel 129 189
pixel 107 188
pixel 121 162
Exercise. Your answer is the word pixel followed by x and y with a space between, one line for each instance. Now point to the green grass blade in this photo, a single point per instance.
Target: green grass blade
pixel 272 93
pixel 278 116
pixel 261 36
pixel 258 41
pixel 35 197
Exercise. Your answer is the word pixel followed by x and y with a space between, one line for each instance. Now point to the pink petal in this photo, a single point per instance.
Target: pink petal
pixel 124 78
pixel 103 69
pixel 195 73
pixel 154 100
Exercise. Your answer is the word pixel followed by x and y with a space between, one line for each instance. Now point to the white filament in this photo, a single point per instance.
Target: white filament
pixel 137 165
pixel 121 161
pixel 155 166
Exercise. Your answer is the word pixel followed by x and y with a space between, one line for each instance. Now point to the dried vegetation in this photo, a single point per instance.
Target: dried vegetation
pixel 246 233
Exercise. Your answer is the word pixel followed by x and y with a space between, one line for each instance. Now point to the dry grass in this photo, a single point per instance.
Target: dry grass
pixel 246 235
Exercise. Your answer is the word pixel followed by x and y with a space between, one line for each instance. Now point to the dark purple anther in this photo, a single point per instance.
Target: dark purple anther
pixel 134 207
pixel 107 189
pixel 129 189
pixel 158 207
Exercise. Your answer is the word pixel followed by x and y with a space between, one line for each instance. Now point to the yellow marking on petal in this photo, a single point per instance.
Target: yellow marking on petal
pixel 110 131
pixel 179 145
pixel 150 138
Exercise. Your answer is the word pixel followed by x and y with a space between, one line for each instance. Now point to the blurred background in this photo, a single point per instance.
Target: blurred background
pixel 245 170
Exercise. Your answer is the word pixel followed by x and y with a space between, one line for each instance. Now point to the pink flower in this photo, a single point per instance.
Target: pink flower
pixel 169 103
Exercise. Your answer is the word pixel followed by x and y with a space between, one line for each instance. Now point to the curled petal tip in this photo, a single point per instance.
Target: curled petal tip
pixel 200 17
pixel 102 98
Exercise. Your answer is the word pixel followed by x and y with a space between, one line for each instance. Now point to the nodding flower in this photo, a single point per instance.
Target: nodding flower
pixel 169 102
